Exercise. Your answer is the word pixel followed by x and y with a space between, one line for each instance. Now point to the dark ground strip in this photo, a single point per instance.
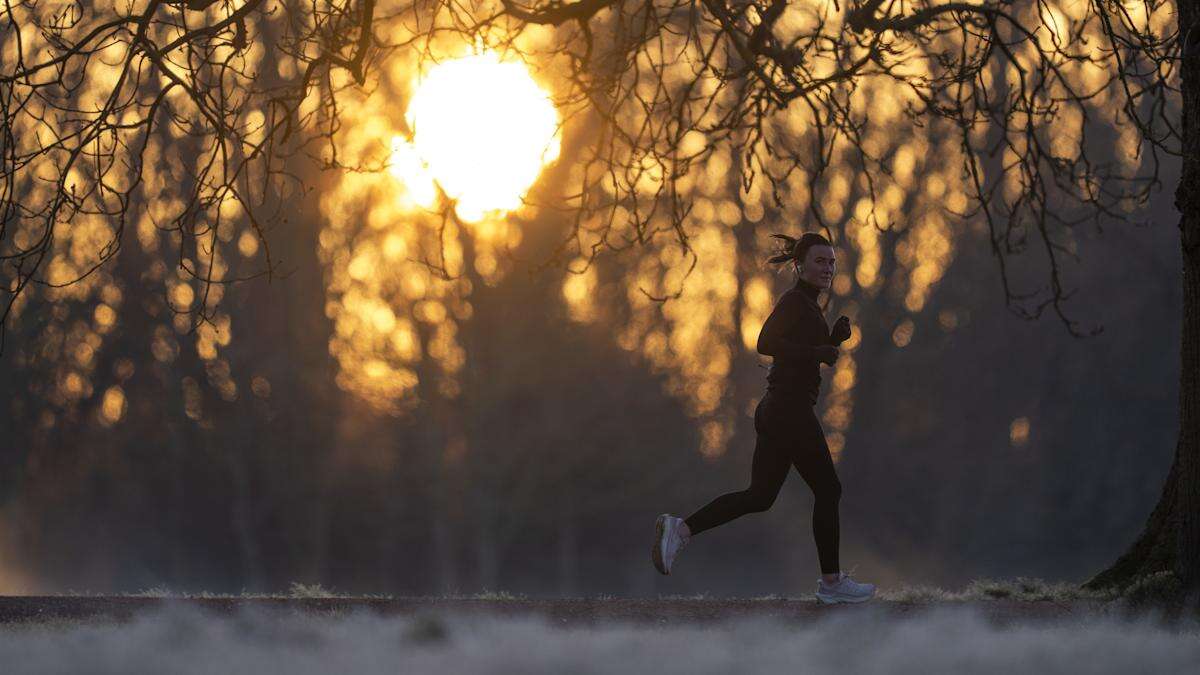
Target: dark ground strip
pixel 563 611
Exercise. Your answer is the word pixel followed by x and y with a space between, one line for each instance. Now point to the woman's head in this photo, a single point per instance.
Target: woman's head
pixel 812 255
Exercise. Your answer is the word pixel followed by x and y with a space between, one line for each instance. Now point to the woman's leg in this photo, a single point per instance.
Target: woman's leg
pixel 768 470
pixel 811 458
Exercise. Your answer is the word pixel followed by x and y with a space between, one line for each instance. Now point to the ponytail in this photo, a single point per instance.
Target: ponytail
pixel 795 249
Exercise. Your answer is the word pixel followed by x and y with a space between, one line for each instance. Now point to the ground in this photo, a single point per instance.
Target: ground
pixel 573 612
pixel 990 627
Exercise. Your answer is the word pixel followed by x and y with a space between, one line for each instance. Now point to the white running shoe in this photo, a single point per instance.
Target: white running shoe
pixel 668 542
pixel 844 590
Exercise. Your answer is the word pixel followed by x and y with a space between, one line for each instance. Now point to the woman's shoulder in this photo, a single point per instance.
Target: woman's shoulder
pixel 795 296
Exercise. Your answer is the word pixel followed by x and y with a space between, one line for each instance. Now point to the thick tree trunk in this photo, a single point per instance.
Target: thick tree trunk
pixel 1188 455
pixel 1187 199
pixel 1171 539
pixel 1155 549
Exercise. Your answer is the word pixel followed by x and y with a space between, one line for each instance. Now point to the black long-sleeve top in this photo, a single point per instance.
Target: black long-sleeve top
pixel 795 327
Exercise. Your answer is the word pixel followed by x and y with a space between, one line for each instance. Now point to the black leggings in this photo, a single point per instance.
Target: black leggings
pixel 788 433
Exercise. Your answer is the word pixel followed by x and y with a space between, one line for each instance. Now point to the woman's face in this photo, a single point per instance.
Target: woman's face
pixel 819 266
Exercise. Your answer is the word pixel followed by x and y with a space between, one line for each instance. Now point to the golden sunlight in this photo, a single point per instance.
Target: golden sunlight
pixel 483 129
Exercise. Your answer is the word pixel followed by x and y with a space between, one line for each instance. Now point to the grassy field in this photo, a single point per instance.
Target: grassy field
pixel 986 627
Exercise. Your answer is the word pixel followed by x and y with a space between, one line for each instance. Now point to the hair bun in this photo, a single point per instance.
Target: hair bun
pixel 795 249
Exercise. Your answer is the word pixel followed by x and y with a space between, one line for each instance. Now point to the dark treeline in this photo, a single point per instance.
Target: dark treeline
pixel 545 476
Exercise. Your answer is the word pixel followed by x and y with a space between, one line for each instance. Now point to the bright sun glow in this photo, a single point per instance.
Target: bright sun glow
pixel 483 129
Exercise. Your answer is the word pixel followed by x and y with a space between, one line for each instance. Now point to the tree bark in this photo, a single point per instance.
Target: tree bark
pixel 1187 200
pixel 1171 538
pixel 1155 549
pixel 1188 453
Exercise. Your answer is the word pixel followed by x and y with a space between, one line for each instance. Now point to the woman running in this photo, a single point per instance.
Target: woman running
pixel 787 430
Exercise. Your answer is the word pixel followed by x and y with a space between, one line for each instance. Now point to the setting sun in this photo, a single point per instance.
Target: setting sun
pixel 482 129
